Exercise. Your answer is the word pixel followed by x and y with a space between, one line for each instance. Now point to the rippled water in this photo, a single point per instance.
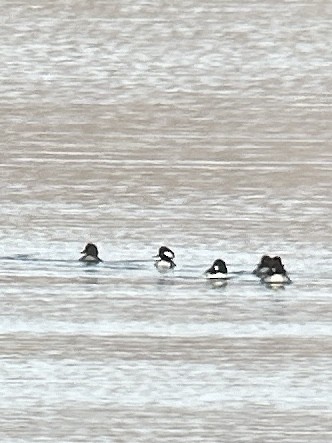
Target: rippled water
pixel 202 126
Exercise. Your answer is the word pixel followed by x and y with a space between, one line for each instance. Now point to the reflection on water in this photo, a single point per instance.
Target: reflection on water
pixel 205 127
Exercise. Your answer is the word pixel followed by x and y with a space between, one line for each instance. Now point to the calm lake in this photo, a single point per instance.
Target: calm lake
pixel 202 126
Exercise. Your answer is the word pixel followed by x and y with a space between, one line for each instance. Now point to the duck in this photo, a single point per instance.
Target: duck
pixel 276 274
pixel 217 271
pixel 164 259
pixel 263 266
pixel 91 254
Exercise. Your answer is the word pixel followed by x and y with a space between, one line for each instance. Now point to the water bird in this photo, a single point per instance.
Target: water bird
pixel 217 271
pixel 263 266
pixel 90 254
pixel 276 274
pixel 164 259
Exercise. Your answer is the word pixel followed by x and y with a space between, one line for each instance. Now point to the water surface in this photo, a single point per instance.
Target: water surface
pixel 202 126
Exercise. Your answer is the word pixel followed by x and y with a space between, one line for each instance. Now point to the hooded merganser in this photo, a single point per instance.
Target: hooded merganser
pixel 263 266
pixel 164 259
pixel 276 274
pixel 91 254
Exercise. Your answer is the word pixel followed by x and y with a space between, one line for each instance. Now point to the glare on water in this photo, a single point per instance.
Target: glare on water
pixel 204 127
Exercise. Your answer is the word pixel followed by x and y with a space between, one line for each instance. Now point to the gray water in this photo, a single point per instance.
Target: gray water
pixel 205 126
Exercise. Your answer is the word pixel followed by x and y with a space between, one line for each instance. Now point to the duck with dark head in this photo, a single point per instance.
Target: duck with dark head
pixel 276 273
pixel 90 254
pixel 164 259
